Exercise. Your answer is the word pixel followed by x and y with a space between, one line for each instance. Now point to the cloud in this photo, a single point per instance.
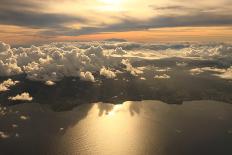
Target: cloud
pixel 163 69
pixel 50 83
pixel 3 135
pixel 196 71
pixel 5 85
pixel 116 40
pixel 162 21
pixel 133 71
pixel 31 14
pixel 142 78
pixel 107 73
pixel 219 72
pixel 226 74
pixel 87 76
pixel 21 97
pixel 164 76
pixel 50 63
pixel 119 51
pixel 56 61
pixel 39 20
pixel 4 47
pixel 170 7
pixel 22 117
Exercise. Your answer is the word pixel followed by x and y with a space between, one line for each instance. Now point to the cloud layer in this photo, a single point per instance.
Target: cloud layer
pixel 53 62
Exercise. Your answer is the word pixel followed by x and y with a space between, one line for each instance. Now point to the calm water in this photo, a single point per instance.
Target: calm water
pixel 147 127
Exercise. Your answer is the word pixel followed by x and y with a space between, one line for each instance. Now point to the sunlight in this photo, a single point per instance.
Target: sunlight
pixel 111 5
pixel 111 2
pixel 116 108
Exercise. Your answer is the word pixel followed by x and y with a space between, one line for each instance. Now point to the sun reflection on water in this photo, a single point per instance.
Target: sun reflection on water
pixel 138 127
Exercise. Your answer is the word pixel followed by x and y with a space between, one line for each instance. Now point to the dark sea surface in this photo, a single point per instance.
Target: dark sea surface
pixel 143 127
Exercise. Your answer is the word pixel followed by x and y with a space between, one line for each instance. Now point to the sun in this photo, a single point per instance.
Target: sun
pixel 110 5
pixel 111 2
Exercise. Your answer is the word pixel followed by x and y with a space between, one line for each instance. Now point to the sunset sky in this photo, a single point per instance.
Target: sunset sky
pixel 36 21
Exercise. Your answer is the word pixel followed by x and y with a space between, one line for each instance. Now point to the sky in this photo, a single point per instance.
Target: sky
pixel 35 21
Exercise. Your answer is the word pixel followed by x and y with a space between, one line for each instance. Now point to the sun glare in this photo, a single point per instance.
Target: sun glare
pixel 111 5
pixel 111 2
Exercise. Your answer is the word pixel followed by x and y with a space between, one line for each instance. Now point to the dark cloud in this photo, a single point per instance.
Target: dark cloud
pixel 199 19
pixel 30 14
pixel 36 19
pixel 171 7
pixel 191 10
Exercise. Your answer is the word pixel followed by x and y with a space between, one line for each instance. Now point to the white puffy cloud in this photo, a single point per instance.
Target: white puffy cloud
pixel 107 73
pixel 87 76
pixel 119 51
pixel 55 61
pixel 130 68
pixel 208 51
pixel 51 63
pixel 21 97
pixel 8 61
pixel 9 69
pixel 4 47
pixel 5 85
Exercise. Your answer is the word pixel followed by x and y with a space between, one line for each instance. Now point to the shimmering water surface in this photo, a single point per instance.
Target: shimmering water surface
pixel 146 127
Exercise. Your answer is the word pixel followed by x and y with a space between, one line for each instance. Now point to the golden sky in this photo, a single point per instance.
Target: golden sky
pixel 36 21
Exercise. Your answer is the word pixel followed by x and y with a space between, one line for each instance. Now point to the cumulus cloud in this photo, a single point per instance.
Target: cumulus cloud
pixel 21 97
pixel 130 68
pixel 55 61
pixel 209 51
pixel 5 85
pixel 51 63
pixel 119 51
pixel 87 76
pixel 107 73
pixel 8 62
